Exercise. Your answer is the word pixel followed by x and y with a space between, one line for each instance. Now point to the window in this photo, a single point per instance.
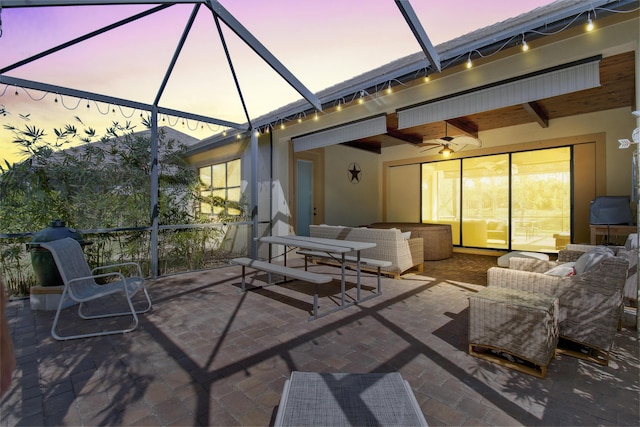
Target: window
pixel 519 201
pixel 220 189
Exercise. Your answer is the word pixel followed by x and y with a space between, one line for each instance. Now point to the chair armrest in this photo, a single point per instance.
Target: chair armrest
pixel 526 281
pixel 566 255
pixel 531 265
pixel 416 248
pixel 96 276
pixel 118 266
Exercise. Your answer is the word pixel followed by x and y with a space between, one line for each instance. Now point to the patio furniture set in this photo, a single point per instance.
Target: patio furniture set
pixel 536 307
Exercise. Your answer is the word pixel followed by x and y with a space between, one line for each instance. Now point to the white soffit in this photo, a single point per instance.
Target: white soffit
pixel 340 134
pixel 527 89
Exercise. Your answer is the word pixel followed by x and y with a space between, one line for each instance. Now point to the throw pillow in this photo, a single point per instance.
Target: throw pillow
pixel 565 269
pixel 591 258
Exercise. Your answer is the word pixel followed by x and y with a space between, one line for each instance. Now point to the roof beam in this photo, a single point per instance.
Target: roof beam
pixel 83 38
pixel 44 87
pixel 263 52
pixel 418 31
pixel 535 111
pixel 465 126
pixel 48 3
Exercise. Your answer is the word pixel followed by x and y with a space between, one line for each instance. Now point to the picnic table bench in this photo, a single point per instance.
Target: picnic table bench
pixel 295 273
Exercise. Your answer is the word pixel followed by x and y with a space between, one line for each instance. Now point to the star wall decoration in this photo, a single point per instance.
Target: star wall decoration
pixel 354 173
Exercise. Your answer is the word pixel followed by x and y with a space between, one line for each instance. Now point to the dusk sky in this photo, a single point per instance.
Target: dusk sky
pixel 321 42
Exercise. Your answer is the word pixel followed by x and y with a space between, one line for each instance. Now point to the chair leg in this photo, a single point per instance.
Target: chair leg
pixel 132 311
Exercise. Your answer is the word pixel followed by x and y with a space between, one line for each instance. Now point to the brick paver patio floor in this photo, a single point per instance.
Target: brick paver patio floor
pixel 209 355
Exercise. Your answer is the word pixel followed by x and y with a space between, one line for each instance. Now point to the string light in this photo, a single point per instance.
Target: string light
pixel 360 95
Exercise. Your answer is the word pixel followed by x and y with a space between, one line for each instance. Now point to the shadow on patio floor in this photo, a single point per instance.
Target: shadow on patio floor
pixel 209 355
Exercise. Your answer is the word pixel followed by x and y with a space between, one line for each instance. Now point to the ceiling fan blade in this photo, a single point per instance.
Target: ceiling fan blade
pixel 467 140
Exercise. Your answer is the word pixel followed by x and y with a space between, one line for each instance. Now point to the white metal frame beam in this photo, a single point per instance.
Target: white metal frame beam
pixel 418 31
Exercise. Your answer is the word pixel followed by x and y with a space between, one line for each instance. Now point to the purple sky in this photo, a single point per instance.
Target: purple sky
pixel 321 42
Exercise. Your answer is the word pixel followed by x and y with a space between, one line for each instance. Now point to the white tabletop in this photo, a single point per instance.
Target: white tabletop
pixel 317 243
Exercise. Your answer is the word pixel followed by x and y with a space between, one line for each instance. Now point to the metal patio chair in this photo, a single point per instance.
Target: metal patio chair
pixel 80 286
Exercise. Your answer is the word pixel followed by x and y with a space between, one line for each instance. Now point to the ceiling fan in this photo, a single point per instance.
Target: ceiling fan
pixel 451 144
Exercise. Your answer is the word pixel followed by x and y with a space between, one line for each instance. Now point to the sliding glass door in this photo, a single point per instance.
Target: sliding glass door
pixel 440 194
pixel 485 201
pixel 541 199
pixel 517 201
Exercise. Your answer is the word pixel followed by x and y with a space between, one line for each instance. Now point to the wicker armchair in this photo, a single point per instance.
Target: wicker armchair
pixel 574 251
pixel 590 303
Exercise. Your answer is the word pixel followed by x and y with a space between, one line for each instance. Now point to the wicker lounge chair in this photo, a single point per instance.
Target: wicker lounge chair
pixel 590 303
pixel 80 286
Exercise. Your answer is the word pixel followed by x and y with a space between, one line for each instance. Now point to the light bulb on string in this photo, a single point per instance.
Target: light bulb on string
pixel 426 75
pixel 315 117
pixel 339 107
pixel 525 46
pixel 469 63
pixel 389 90
pixel 589 23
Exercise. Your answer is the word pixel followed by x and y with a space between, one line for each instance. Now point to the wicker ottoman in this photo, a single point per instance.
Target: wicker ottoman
pixel 514 328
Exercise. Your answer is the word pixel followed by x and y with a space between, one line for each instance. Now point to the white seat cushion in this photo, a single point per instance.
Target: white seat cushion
pixel 503 261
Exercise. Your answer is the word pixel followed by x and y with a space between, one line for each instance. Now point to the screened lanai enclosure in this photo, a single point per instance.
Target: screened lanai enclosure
pixel 101 87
